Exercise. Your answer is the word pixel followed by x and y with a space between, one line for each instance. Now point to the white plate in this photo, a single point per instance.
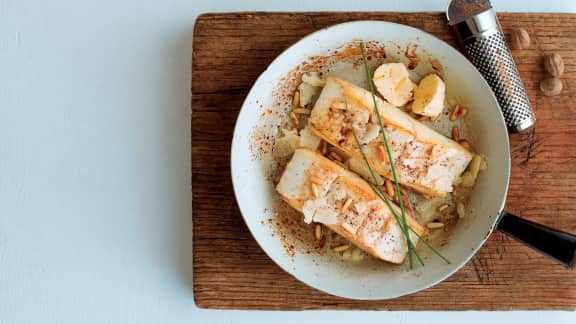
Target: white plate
pixel 255 191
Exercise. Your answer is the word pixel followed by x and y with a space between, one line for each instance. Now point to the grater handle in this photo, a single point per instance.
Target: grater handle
pixel 486 48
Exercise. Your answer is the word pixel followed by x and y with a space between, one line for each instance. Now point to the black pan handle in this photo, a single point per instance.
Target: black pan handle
pixel 558 245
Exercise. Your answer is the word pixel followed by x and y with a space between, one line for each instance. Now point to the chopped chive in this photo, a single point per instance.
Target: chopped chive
pixel 388 152
pixel 403 225
pixel 379 191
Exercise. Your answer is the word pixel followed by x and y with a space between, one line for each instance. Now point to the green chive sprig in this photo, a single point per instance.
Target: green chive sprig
pixel 378 191
pixel 401 222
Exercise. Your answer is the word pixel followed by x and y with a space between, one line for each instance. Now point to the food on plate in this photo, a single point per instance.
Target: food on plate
pixel 429 96
pixel 347 151
pixel 285 145
pixel 456 134
pixel 310 88
pixel 424 159
pixel 327 193
pixel 313 79
pixel 457 112
pixel 392 80
pixel 309 139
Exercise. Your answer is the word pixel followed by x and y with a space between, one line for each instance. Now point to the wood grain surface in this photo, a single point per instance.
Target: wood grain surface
pixel 230 269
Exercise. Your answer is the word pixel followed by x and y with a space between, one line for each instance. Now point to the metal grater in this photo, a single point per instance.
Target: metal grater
pixel 478 30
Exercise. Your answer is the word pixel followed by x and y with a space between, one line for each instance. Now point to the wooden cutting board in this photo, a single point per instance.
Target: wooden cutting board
pixel 230 269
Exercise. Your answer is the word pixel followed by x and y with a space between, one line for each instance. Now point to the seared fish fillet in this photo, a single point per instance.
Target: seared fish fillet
pixel 329 194
pixel 424 159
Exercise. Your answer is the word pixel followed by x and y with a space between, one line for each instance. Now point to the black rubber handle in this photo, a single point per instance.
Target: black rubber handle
pixel 558 245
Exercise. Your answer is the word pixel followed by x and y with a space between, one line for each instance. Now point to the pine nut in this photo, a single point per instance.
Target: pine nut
pixel 390 188
pixel 341 248
pixel 475 166
pixel 294 119
pixel 381 153
pixel 314 190
pixel 316 180
pixel 296 99
pixel 318 232
pixel 336 157
pixel 455 133
pixel 346 205
pixel 460 209
pixel 302 111
pixel 454 114
pixel 435 225
pixel 436 65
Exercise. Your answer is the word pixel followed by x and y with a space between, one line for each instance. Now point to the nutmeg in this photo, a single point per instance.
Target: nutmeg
pixel 553 64
pixel 551 86
pixel 519 38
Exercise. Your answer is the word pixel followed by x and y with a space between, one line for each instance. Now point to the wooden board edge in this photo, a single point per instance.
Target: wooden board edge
pixel 208 303
pixel 211 15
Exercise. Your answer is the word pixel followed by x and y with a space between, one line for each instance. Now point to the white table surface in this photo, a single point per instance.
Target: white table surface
pixel 95 202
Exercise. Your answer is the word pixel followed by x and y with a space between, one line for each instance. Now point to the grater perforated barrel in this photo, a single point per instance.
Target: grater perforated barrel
pixel 485 45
